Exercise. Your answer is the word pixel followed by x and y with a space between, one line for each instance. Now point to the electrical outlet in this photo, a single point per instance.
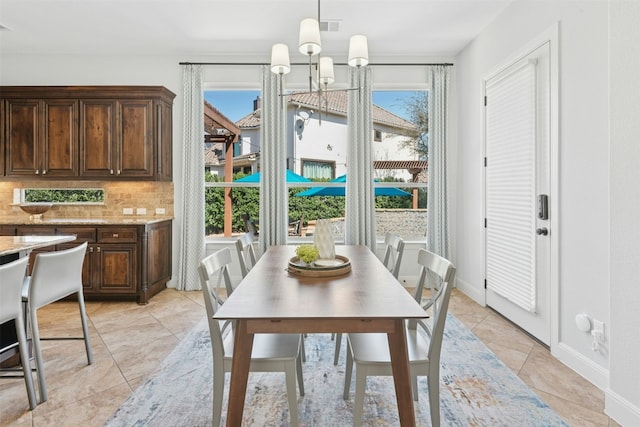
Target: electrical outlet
pixel 160 211
pixel 141 211
pixel 127 211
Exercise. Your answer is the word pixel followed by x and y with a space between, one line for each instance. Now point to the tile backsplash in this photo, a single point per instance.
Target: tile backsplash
pixel 118 195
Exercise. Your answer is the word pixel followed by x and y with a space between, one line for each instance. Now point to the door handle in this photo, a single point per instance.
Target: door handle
pixel 542 231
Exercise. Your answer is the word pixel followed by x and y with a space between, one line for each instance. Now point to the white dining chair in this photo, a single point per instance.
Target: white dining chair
pixel 11 280
pixel 370 352
pixel 246 253
pixel 55 275
pixel 271 352
pixel 394 249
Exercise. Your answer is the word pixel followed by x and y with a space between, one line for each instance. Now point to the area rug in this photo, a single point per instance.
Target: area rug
pixel 477 389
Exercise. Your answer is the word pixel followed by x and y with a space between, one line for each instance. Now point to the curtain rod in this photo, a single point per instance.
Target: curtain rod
pixel 408 64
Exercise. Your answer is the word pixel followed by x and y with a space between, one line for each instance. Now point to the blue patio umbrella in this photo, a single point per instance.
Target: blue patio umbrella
pixel 340 191
pixel 291 177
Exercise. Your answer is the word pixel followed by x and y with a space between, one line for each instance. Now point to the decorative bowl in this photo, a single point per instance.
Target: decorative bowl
pixel 36 208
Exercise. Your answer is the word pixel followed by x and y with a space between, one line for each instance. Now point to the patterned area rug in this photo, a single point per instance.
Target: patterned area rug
pixel 477 389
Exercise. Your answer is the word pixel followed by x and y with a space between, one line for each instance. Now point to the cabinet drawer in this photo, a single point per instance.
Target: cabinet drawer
pixel 117 235
pixel 36 231
pixel 7 231
pixel 83 234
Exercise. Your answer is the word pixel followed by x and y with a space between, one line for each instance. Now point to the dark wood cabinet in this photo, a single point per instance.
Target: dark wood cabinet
pixel 97 138
pixel 135 145
pixel 41 138
pixel 123 262
pixel 87 132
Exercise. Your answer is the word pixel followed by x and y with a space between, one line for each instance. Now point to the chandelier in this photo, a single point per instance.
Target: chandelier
pixel 310 44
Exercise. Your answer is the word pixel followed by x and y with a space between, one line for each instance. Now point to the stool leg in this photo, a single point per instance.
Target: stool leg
pixel 42 384
pixel 85 328
pixel 24 359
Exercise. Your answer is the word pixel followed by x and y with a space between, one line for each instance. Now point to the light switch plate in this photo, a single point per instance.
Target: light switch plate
pixel 127 211
pixel 141 211
pixel 160 211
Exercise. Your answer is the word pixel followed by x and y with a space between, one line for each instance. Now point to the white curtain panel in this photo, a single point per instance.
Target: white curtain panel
pixel 192 247
pixel 274 196
pixel 360 226
pixel 437 197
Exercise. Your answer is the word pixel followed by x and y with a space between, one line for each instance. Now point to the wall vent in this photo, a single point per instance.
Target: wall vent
pixel 331 26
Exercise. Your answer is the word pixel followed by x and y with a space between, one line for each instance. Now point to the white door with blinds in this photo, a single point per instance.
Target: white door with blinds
pixel 517 193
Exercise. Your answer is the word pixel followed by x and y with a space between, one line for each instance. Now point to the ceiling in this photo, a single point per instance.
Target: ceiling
pixel 199 28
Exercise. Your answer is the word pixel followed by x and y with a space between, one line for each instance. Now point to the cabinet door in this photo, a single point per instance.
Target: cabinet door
pixel 136 139
pixel 164 138
pixel 42 138
pixel 97 138
pixel 116 268
pixel 60 138
pixel 22 137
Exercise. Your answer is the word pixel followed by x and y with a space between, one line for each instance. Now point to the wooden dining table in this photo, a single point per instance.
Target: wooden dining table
pixel 366 299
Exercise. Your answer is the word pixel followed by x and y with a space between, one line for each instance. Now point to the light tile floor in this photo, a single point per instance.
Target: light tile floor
pixel 129 341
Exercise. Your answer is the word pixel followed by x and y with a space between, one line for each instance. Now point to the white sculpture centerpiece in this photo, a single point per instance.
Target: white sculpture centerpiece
pixel 323 239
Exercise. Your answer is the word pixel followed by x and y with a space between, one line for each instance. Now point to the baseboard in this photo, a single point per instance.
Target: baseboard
pixel 620 409
pixel 583 366
pixel 471 291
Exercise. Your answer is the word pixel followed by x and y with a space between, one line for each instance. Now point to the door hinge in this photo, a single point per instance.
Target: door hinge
pixel 485 223
pixel 485 162
pixel 485 100
pixel 485 283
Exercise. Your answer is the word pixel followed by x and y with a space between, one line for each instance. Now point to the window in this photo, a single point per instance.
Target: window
pixel 318 170
pixel 316 149
pixel 64 195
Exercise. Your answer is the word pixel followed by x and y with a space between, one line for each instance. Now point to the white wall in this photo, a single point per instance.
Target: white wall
pixel 622 398
pixel 583 180
pixel 311 143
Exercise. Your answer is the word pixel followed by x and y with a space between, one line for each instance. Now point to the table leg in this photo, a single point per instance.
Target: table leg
pixel 401 375
pixel 239 374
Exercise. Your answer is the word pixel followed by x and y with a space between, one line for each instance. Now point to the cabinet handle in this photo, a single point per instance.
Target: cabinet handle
pixel 98 249
pixel 119 171
pixel 37 172
pixel 115 235
pixel 91 249
pixel 44 172
pixel 111 171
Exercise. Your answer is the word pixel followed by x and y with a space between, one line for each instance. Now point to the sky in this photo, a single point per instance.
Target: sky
pixel 235 104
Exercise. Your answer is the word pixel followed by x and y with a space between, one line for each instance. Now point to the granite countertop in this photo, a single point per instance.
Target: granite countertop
pixel 83 221
pixel 15 244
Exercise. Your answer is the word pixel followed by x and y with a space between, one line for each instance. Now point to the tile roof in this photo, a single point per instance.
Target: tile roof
pixel 336 102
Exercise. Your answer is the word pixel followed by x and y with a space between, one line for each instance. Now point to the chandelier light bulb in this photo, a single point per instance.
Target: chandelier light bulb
pixel 358 51
pixel 280 59
pixel 325 70
pixel 309 41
